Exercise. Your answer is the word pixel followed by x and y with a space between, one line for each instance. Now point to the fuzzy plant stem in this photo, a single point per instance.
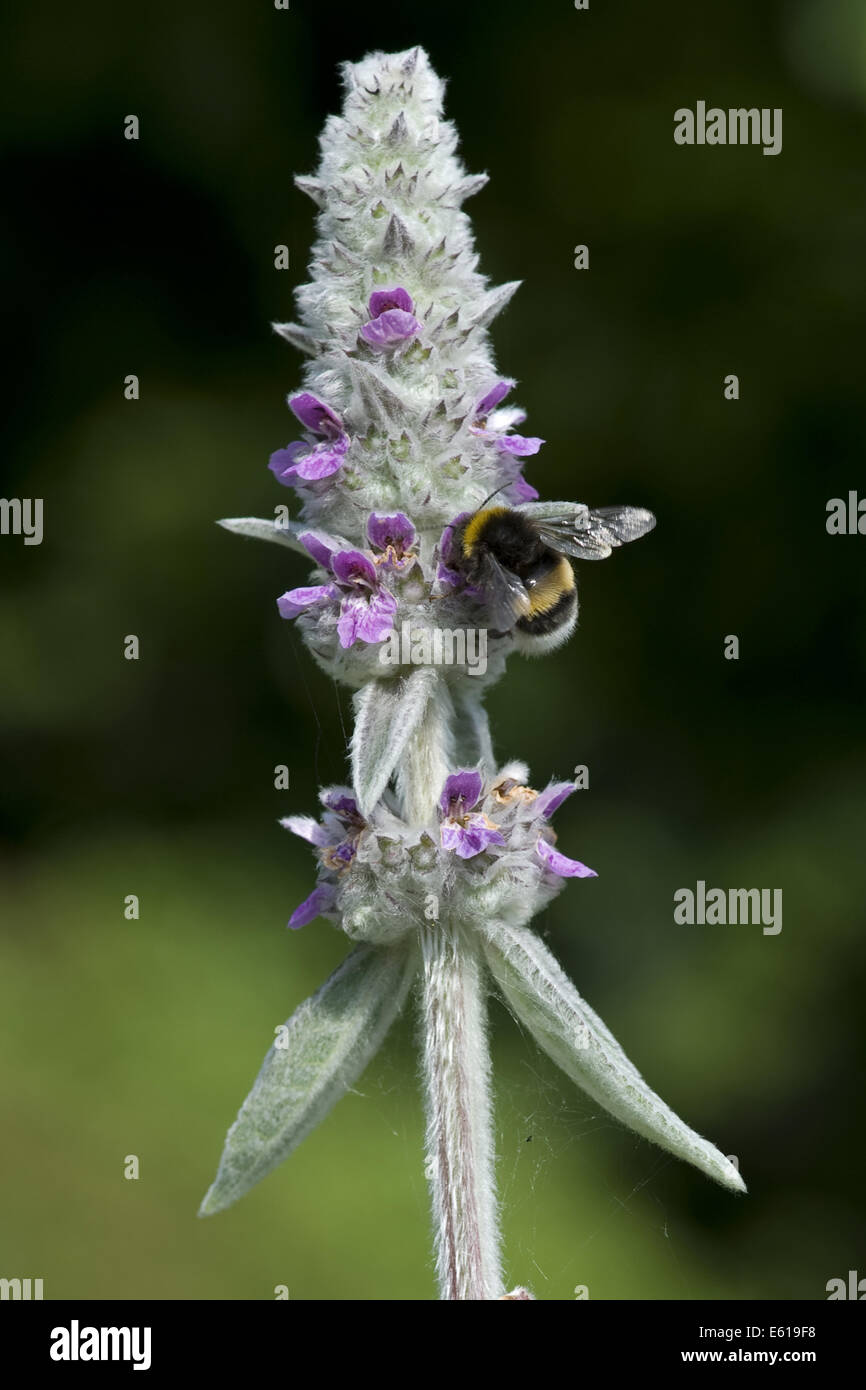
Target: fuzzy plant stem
pixel 456 1060
pixel 459 1120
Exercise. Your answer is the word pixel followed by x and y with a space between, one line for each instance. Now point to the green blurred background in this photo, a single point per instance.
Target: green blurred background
pixel 156 777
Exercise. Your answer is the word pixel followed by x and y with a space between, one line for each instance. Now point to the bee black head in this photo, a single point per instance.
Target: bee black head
pixel 512 538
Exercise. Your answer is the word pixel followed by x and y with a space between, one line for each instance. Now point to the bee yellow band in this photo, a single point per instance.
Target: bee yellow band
pixel 476 523
pixel 549 590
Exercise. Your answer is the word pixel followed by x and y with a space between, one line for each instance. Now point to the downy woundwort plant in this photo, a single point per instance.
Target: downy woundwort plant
pixel 434 861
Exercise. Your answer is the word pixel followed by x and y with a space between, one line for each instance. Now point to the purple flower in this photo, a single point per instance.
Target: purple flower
pixel 315 416
pixel 389 329
pixel 552 798
pixel 366 608
pixel 297 601
pixel 461 793
pixel 519 445
pixel 310 461
pixel 464 830
pixel 523 491
pixel 320 900
pixel 446 571
pixel 493 426
pixel 560 864
pixel 392 319
pixel 540 806
pixel 383 300
pixel 335 839
pixel 546 803
pixel 306 829
pixel 354 569
pixel 345 807
pixel 395 536
pixel 339 857
pixel 497 393
pixel 470 836
pixel 321 547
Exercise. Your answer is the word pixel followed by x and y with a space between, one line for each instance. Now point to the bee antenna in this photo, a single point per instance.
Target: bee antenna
pixel 493 494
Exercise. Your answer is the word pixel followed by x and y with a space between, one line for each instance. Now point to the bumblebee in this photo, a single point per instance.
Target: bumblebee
pixel 517 560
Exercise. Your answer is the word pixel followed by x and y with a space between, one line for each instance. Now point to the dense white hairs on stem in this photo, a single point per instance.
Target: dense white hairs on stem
pixel 456 1056
pixel 460 1159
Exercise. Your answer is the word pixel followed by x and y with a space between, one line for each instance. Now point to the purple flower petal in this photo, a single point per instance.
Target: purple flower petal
pixel 320 900
pixel 494 396
pixel 382 300
pixel 447 537
pixel 296 601
pixel 552 798
pixel 470 839
pixel 307 828
pixel 321 461
pixel 451 579
pixel 351 612
pixel 315 416
pixel 395 530
pixel 523 491
pixel 354 568
pixel 461 793
pixel 299 460
pixel 378 618
pixel 390 328
pixel 366 619
pixel 520 445
pixel 282 462
pixel 342 855
pixel 321 547
pixel 346 807
pixel 560 864
pixel 446 540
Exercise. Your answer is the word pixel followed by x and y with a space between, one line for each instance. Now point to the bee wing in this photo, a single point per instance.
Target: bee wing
pixel 504 596
pixel 592 535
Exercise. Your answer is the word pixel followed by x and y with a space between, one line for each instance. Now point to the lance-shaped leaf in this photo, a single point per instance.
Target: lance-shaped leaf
pixel 264 528
pixel 374 395
pixel 298 336
pixel 286 533
pixel 493 302
pixel 387 713
pixel 545 1000
pixel 327 1043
